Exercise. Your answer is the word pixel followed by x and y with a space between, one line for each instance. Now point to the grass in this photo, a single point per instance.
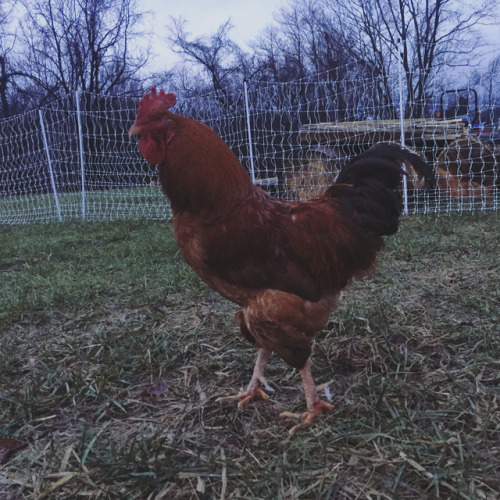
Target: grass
pixel 112 354
pixel 146 202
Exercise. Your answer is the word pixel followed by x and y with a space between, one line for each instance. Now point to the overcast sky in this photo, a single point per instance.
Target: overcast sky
pixel 249 18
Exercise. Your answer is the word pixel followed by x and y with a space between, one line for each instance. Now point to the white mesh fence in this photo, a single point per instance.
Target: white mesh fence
pixel 74 159
pixel 67 161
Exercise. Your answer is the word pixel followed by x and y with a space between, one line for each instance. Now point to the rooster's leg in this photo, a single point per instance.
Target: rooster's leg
pixel 314 405
pixel 254 387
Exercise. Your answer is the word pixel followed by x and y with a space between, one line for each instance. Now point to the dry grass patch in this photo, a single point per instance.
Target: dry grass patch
pixel 110 373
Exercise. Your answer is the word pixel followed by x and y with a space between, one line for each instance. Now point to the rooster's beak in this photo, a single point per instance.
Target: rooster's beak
pixel 134 130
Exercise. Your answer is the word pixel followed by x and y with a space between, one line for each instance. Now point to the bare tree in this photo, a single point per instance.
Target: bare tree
pixel 82 44
pixel 7 41
pixel 428 33
pixel 491 82
pixel 487 83
pixel 4 76
pixel 303 41
pixel 267 48
pixel 221 59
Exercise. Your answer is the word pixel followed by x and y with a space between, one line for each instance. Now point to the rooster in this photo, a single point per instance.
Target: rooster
pixel 284 263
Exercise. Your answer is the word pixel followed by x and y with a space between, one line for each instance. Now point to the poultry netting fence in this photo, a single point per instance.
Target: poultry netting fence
pixel 74 159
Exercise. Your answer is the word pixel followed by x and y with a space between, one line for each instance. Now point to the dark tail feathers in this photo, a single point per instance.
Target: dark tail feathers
pixel 415 165
pixel 368 185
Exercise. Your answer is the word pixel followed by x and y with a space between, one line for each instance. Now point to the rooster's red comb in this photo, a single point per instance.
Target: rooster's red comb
pixel 154 98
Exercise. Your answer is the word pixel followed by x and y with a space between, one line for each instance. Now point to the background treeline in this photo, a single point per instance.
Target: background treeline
pixel 51 48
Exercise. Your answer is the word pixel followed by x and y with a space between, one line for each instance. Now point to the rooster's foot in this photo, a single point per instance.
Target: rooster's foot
pixel 308 416
pixel 247 396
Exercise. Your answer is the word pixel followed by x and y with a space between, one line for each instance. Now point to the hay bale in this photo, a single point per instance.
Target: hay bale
pixel 457 187
pixel 310 173
pixel 470 161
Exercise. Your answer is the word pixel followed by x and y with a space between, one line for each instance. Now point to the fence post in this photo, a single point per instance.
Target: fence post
pixel 249 131
pixel 80 142
pixel 402 123
pixel 51 173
